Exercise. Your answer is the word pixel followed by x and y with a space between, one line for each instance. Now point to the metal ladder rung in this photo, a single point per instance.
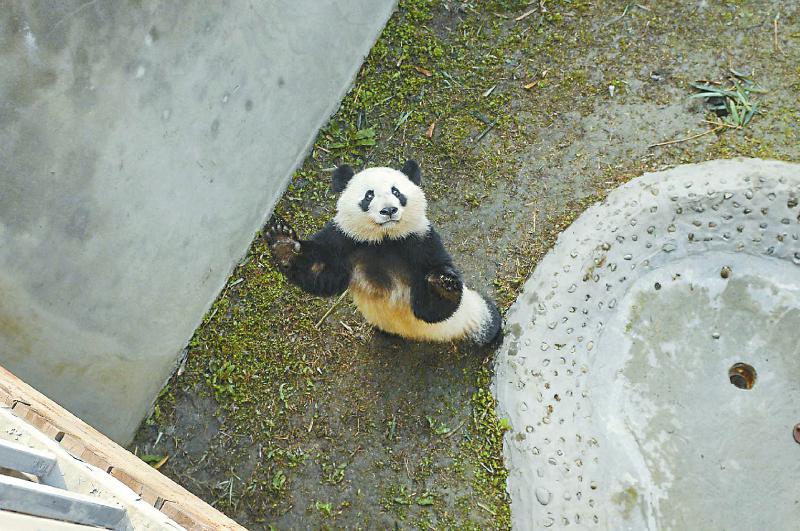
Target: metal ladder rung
pixel 49 502
pixel 27 460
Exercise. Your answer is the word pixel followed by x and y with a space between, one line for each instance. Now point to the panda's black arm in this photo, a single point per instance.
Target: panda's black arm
pixel 433 307
pixel 321 268
pixel 437 287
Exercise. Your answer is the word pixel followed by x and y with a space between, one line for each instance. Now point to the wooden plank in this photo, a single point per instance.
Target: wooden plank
pixel 45 501
pixel 28 460
pixel 151 496
pixel 22 409
pixel 182 518
pixel 127 480
pixel 83 441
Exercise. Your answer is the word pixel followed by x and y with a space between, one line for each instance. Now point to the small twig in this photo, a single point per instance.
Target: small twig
pixel 482 506
pixel 451 432
pixel 687 138
pixel 525 15
pixel 722 124
pixel 333 307
pixel 481 117
pixel 612 21
pixel 775 32
pixel 354 452
pixel 485 132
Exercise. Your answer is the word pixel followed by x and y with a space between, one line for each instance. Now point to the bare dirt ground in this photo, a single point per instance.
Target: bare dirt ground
pixel 520 114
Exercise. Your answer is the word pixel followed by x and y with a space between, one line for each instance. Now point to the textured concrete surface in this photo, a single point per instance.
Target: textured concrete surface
pixel 615 370
pixel 142 144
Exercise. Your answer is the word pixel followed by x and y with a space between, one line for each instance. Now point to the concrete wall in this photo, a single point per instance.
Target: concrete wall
pixel 142 144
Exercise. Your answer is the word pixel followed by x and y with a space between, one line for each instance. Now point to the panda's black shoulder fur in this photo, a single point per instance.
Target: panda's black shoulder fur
pixel 329 257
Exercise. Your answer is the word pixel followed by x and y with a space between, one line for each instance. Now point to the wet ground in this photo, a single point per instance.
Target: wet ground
pixel 520 115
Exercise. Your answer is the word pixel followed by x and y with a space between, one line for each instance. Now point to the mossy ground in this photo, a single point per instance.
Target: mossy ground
pixel 280 422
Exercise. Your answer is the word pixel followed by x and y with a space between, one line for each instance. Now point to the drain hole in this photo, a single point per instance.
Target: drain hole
pixel 742 375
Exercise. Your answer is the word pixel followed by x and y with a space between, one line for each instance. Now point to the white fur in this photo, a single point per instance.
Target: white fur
pixel 371 226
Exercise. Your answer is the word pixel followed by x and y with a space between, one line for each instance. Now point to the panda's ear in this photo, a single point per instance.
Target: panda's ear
pixel 341 176
pixel 412 171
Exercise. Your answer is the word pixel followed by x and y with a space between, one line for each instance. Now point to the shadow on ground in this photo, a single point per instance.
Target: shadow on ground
pixel 520 114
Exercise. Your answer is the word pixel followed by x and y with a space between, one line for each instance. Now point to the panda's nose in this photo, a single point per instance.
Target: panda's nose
pixel 389 211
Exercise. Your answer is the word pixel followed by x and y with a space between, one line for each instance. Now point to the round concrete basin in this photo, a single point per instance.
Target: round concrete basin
pixel 651 369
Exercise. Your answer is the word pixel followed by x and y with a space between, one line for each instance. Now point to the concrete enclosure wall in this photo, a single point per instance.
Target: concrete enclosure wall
pixel 142 144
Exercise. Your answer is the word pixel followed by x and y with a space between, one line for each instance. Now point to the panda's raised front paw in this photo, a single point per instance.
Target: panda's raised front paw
pixel 279 231
pixel 446 284
pixel 282 241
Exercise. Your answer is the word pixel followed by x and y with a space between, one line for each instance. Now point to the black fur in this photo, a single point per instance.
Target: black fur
pixel 494 332
pixel 400 196
pixel 364 203
pixel 412 171
pixel 324 264
pixel 341 176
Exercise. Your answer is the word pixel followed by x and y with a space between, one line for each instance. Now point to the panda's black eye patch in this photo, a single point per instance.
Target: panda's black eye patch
pixel 399 196
pixel 368 197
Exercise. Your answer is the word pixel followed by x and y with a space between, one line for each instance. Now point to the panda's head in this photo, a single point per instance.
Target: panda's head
pixel 380 203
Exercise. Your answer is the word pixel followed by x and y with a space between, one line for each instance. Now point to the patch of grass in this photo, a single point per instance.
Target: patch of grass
pixel 325 509
pixel 485 451
pixel 733 105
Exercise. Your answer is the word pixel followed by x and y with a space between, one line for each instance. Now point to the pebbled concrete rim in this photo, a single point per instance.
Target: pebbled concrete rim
pixel 572 459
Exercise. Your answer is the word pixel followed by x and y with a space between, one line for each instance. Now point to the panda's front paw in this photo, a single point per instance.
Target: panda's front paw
pixel 446 283
pixel 282 241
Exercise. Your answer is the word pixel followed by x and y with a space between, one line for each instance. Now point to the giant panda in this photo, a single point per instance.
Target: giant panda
pixel 382 247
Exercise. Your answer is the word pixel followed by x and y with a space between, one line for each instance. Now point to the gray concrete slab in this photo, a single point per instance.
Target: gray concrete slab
pixel 24 522
pixel 142 144
pixel 618 369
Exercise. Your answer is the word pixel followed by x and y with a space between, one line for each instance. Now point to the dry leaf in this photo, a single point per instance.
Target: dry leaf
pixel 431 129
pixel 425 72
pixel 161 462
pixel 529 86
